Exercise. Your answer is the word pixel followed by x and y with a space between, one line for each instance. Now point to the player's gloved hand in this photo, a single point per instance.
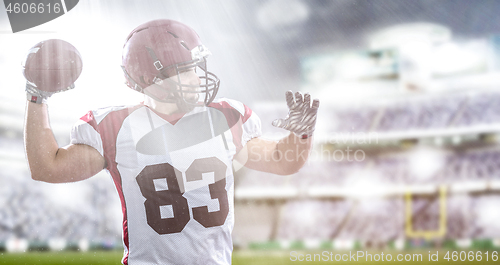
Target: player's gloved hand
pixel 33 94
pixel 36 95
pixel 301 118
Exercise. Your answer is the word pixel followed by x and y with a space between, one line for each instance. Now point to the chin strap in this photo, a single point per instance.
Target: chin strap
pixel 301 118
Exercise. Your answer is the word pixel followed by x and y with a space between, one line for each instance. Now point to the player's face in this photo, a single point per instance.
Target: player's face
pixel 189 84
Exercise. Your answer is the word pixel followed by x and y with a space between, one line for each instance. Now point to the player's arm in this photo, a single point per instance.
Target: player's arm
pixel 289 154
pixel 283 157
pixel 48 162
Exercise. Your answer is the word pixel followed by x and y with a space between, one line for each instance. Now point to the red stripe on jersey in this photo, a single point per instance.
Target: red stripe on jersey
pixel 108 129
pixel 89 118
pixel 234 119
pixel 248 113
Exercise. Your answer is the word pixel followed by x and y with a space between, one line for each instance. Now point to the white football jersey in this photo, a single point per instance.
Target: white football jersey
pixel 174 177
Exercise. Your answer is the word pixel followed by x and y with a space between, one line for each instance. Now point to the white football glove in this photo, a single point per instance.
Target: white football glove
pixel 33 94
pixel 301 118
pixel 36 95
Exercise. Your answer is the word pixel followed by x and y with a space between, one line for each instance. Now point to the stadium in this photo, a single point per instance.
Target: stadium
pixel 406 158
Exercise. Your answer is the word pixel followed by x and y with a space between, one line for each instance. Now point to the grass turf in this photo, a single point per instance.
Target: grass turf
pixel 239 258
pixel 61 258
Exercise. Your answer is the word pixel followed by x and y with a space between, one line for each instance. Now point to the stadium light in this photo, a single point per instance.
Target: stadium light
pixel 366 183
pixel 414 42
pixel 450 58
pixel 404 34
pixel 83 245
pixel 425 162
pixel 16 245
pixel 57 244
pixel 488 214
pixel 306 216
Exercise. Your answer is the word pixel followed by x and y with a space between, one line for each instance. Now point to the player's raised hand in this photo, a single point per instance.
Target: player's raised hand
pixel 301 118
pixel 50 66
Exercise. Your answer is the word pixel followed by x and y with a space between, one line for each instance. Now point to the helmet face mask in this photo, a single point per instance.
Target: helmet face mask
pixel 165 60
pixel 180 85
pixel 191 89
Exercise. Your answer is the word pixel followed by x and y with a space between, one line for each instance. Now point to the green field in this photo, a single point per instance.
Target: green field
pixel 245 257
pixel 60 258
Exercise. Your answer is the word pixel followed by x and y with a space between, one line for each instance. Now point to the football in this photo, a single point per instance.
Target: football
pixel 52 65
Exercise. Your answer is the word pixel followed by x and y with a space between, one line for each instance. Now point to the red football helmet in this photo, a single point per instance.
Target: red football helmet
pixel 159 49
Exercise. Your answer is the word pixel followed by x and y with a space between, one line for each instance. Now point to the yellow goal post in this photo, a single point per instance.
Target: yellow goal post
pixel 427 234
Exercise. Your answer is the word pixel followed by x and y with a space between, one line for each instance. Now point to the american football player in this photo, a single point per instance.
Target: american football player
pixel 170 157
